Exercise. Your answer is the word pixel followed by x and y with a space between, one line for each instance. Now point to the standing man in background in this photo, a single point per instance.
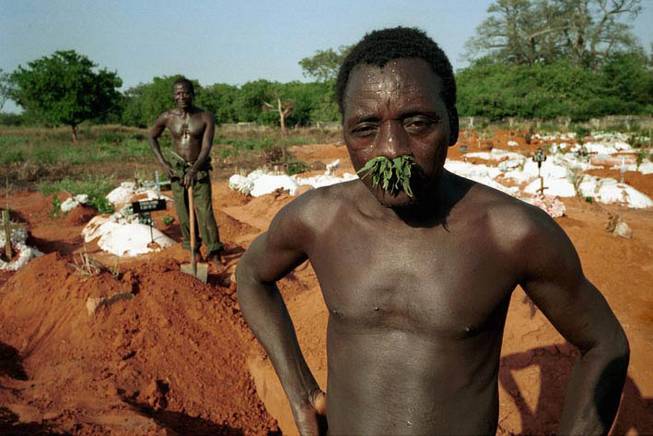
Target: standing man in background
pixel 192 132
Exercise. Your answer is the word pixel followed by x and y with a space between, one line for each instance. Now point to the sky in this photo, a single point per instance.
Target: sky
pixel 231 42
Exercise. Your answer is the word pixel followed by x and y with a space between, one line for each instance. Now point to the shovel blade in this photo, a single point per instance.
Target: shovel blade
pixel 201 272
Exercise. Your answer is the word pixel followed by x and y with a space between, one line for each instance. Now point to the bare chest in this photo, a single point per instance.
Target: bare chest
pixel 432 281
pixel 187 128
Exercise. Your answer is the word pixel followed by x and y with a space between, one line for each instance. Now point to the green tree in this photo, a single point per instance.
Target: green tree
pixel 313 102
pixel 544 91
pixel 593 30
pixel 133 112
pixel 627 82
pixel 251 99
pixel 323 66
pixel 65 88
pixel 509 33
pixel 220 99
pixel 530 31
pixel 296 100
pixel 326 110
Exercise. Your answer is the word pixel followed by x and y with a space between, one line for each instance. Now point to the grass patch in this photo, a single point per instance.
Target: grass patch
pixel 41 146
pixel 55 211
pixel 33 156
pixel 296 167
pixel 46 149
pixel 126 150
pixel 8 157
pixel 95 187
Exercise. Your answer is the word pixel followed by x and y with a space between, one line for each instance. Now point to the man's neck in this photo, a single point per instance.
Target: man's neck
pixel 433 207
pixel 187 111
pixel 431 210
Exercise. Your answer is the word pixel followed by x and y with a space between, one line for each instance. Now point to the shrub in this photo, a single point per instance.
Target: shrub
pixel 296 167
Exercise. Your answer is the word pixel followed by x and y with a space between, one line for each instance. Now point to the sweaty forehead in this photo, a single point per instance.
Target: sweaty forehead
pixel 182 87
pixel 406 80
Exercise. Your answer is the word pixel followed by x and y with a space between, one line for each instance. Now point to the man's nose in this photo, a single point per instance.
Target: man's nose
pixel 392 140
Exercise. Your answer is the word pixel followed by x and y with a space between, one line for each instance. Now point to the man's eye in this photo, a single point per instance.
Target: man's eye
pixel 364 129
pixel 418 124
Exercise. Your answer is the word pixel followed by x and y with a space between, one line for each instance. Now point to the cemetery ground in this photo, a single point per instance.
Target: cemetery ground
pixel 92 342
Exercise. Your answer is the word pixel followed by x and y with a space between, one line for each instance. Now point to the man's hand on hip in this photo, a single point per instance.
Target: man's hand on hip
pixel 311 418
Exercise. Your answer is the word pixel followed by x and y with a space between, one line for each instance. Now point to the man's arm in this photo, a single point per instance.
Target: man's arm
pixel 155 133
pixel 269 258
pixel 554 280
pixel 205 151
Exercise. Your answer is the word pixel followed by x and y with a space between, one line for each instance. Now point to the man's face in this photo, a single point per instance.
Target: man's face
pixel 394 111
pixel 183 96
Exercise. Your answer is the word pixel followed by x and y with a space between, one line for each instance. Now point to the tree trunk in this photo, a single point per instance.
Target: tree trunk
pixel 282 117
pixel 74 129
pixel 284 109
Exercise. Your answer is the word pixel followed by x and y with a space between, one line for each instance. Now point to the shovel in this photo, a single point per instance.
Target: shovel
pixel 198 270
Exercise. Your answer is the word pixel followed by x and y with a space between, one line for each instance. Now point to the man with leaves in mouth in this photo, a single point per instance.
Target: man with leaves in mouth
pixel 417 266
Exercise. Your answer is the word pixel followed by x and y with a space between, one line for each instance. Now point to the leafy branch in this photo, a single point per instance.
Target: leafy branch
pixel 392 174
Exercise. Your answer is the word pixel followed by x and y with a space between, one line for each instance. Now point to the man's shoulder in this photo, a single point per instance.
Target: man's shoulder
pixel 308 215
pixel 169 114
pixel 525 236
pixel 511 221
pixel 164 119
pixel 317 206
pixel 202 113
pixel 326 199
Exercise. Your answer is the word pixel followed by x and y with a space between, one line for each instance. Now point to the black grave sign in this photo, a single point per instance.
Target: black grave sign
pixel 148 205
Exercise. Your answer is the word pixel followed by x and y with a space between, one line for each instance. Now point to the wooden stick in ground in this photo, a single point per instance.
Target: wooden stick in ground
pixel 191 216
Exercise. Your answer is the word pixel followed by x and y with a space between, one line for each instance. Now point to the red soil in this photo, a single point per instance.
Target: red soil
pixel 174 357
pixel 637 180
pixel 80 215
pixel 169 357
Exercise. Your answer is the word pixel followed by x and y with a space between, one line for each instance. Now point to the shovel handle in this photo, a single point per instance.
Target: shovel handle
pixel 191 215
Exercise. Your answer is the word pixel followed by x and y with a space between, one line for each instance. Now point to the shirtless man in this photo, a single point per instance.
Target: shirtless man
pixel 192 136
pixel 417 286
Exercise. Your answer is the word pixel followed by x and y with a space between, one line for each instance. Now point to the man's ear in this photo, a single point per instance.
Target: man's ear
pixel 453 125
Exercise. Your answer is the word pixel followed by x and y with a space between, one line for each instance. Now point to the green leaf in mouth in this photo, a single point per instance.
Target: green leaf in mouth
pixel 392 174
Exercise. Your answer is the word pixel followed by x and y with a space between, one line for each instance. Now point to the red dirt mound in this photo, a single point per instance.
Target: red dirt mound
pixel 80 215
pixel 639 181
pixel 162 352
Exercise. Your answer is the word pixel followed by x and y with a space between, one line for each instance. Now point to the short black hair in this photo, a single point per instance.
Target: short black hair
pixel 381 46
pixel 181 80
